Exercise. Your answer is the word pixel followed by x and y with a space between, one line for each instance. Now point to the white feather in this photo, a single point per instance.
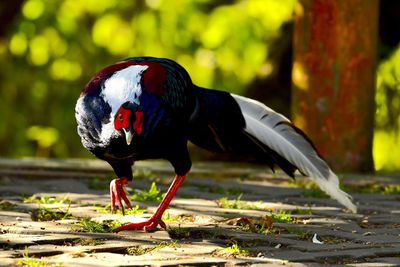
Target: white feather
pixel 123 85
pixel 266 125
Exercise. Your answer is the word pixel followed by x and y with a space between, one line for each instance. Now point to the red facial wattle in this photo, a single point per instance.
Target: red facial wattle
pixel 121 120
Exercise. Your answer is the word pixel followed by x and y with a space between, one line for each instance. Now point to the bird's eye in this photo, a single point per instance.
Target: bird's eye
pixel 119 117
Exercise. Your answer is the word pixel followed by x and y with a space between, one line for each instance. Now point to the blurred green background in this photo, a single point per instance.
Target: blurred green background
pixel 50 49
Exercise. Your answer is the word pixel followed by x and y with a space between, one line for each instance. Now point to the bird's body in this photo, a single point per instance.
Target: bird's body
pixel 124 83
pixel 148 108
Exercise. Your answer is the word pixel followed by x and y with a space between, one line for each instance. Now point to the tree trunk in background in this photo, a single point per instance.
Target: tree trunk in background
pixel 333 78
pixel 8 12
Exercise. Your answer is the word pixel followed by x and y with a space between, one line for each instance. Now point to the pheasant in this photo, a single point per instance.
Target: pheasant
pixel 148 108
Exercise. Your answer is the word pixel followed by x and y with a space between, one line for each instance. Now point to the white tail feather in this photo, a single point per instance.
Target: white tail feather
pixel 273 130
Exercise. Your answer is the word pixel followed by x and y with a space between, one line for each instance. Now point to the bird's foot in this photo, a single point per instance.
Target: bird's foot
pixel 118 194
pixel 147 225
pixel 155 220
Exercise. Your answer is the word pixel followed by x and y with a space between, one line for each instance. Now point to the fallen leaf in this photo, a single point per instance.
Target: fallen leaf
pixel 78 254
pixel 238 221
pixel 265 222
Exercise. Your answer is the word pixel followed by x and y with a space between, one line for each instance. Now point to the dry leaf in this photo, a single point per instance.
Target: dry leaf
pixel 265 222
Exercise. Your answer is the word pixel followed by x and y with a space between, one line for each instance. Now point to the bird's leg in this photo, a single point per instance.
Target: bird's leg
pixel 155 220
pixel 118 195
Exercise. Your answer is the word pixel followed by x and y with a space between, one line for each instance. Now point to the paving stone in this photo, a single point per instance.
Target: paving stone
pixel 384 261
pixel 370 238
pixel 7 262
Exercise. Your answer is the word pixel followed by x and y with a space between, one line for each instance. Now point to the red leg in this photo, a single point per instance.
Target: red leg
pixel 155 220
pixel 118 195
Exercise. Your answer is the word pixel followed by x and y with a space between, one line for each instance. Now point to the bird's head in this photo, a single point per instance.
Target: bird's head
pixel 111 106
pixel 129 120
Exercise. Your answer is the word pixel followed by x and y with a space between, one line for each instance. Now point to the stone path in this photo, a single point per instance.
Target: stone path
pixel 269 221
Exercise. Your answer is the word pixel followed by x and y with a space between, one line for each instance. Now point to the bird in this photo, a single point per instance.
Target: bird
pixel 148 108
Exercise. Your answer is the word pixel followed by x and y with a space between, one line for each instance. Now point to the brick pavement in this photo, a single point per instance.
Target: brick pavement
pixel 200 231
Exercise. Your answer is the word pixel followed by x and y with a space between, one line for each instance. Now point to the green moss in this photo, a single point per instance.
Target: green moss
pixel 30 261
pixel 265 225
pixel 34 262
pixel 307 211
pixel 89 226
pixel 231 204
pixel 152 195
pixel 282 217
pixel 45 214
pixel 167 217
pixel 256 228
pixel 234 250
pixel 253 225
pixel 393 189
pixel 88 242
pixel 45 200
pixel 6 205
pixel 238 204
pixel 140 250
pixel 133 211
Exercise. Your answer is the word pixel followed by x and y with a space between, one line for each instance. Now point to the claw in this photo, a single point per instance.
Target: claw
pixel 147 226
pixel 118 194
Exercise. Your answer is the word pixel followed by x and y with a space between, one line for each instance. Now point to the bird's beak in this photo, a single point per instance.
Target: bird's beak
pixel 128 136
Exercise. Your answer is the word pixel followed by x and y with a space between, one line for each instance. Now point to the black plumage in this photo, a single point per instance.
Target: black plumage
pixel 163 109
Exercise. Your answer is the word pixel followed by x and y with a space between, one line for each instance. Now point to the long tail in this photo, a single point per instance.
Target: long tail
pixel 277 133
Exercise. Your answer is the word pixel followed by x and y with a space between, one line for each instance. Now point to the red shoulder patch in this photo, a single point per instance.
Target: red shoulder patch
pixel 138 123
pixel 154 77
